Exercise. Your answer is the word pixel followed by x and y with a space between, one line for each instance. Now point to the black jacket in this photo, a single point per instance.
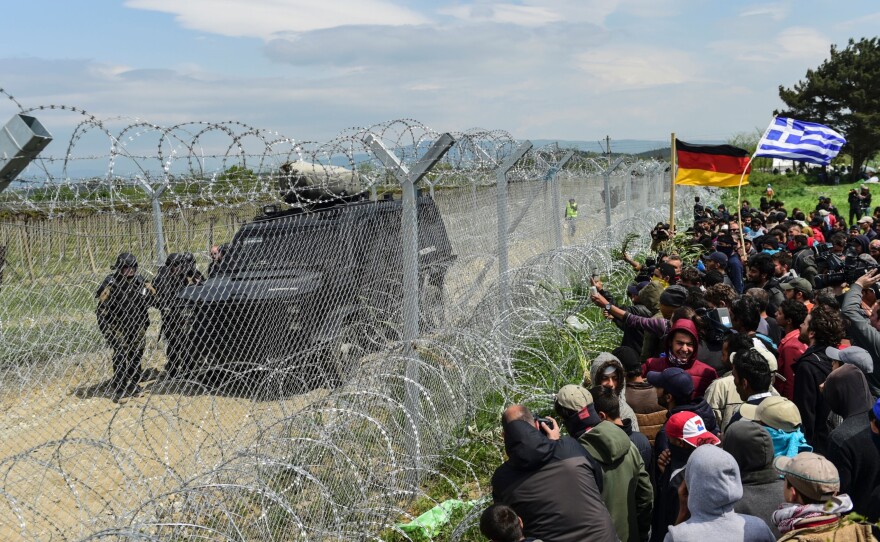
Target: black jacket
pixel 699 407
pixel 810 370
pixel 850 446
pixel 643 445
pixel 633 336
pixel 552 486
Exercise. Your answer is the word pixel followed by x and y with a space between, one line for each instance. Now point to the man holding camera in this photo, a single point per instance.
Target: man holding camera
pixel 550 481
pixel 861 332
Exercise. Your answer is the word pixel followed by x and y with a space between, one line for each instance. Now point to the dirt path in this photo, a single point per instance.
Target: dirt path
pixel 73 462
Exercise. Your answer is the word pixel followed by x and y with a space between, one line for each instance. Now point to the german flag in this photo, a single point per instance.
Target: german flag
pixel 711 165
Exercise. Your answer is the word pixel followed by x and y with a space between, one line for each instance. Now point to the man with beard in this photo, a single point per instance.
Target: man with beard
pixel 124 298
pixel 822 328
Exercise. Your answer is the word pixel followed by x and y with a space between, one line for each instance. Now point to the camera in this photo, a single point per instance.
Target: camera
pixel 660 232
pixel 718 323
pixel 839 270
pixel 548 421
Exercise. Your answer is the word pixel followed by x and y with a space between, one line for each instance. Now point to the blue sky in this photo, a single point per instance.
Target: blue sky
pixel 540 69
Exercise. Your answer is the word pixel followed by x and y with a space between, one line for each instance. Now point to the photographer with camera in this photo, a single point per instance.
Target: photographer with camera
pixel 550 481
pixel 861 332
pixel 803 261
pixel 659 235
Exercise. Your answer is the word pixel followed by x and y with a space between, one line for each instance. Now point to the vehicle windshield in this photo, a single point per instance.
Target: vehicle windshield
pixel 279 248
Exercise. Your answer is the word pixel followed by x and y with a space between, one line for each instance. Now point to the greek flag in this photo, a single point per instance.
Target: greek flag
pixel 792 139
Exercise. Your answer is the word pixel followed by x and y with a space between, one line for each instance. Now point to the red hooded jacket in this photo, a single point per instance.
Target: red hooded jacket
pixel 702 374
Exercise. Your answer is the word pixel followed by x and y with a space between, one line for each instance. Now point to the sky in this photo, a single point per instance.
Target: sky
pixel 538 69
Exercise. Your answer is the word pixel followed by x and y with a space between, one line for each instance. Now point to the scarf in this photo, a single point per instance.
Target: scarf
pixel 788 444
pixel 790 516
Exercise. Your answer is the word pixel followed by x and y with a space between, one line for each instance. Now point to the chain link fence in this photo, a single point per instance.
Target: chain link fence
pixel 365 300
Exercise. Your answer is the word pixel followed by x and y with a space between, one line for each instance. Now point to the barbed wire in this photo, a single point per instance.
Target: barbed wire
pixel 278 447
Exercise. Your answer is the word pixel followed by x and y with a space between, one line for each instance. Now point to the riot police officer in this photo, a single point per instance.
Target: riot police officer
pixel 123 300
pixel 178 272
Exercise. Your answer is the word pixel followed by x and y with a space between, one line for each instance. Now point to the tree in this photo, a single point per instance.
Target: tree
pixel 842 93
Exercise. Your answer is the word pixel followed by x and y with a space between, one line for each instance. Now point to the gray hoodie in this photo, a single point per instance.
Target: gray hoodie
pixel 713 482
pixel 599 364
pixel 752 448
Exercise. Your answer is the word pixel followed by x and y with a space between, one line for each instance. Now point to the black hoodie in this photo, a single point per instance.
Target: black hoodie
pixel 552 486
pixel 850 446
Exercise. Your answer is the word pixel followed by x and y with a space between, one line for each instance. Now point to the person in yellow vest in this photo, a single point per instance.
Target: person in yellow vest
pixel 571 214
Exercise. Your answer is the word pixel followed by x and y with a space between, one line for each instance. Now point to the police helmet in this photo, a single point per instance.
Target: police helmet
pixel 173 259
pixel 126 259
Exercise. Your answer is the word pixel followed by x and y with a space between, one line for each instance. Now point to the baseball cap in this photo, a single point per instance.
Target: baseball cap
pixel 823 212
pixel 800 284
pixel 776 412
pixel 673 380
pixel 853 355
pixel 690 428
pixel 866 220
pixel 718 257
pixel 635 288
pixel 811 474
pixel 674 296
pixel 574 397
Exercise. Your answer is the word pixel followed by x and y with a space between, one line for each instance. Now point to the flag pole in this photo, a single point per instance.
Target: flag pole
pixel 674 158
pixel 739 191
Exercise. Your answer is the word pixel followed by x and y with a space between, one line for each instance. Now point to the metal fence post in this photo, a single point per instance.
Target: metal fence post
pixel 556 195
pixel 501 177
pixel 155 195
pixel 21 140
pixel 409 238
pixel 606 178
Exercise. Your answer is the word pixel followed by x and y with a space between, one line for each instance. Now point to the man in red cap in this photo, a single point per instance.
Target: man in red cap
pixel 686 431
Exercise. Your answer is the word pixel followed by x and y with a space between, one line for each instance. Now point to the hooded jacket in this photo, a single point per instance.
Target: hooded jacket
pixel 850 446
pixel 752 448
pixel 702 374
pixel 714 487
pixel 552 486
pixel 627 489
pixel 626 412
pixel 861 332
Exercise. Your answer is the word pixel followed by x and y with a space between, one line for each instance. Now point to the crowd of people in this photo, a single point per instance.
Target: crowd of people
pixel 741 404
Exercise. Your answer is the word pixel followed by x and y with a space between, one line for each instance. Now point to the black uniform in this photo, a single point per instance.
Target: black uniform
pixel 176 274
pixel 123 320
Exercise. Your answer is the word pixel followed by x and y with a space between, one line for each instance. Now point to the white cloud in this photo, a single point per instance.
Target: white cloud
pixel 505 14
pixel 264 18
pixel 775 11
pixel 638 67
pixel 790 44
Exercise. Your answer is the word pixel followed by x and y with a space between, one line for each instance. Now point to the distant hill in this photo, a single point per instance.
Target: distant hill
pixel 642 148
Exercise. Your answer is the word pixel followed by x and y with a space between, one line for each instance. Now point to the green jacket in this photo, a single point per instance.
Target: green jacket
pixel 627 489
pixel 649 296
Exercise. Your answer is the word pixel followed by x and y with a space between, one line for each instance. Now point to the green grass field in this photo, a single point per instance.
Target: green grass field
pixel 797 191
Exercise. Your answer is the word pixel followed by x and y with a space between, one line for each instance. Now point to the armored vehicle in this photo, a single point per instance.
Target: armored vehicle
pixel 302 294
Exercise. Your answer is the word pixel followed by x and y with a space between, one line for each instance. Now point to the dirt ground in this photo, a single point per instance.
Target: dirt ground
pixel 74 462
